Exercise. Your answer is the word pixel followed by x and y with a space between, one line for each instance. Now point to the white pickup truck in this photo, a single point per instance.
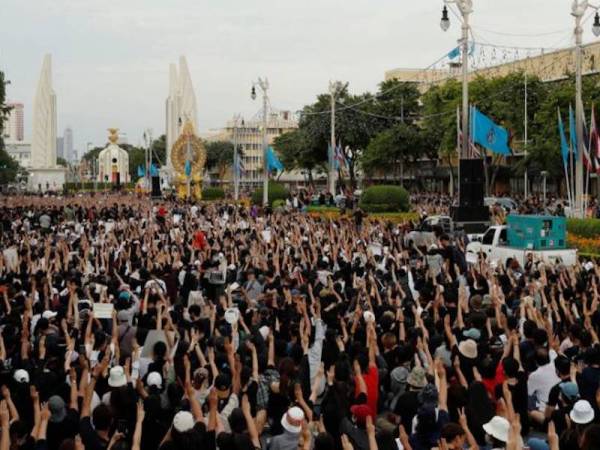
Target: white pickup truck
pixel 493 244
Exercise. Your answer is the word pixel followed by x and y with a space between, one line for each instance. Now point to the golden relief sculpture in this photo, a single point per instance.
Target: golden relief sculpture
pixel 188 147
pixel 113 137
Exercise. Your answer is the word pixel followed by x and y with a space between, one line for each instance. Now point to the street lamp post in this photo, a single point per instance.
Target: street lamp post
pixel 335 88
pixel 148 157
pixel 578 9
pixel 465 8
pixel 236 157
pixel 94 162
pixel 544 175
pixel 263 84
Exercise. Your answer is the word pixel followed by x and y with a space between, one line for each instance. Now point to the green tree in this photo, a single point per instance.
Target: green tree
pixel 398 100
pixel 390 150
pixel 355 125
pixel 62 162
pixel 9 168
pixel 219 156
pixel 296 152
pixel 159 150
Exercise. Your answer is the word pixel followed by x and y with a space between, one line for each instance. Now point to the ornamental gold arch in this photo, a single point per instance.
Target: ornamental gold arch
pixel 180 147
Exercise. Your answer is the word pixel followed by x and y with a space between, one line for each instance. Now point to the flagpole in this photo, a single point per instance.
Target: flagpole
pixel 568 181
pixel 590 164
pixel 572 161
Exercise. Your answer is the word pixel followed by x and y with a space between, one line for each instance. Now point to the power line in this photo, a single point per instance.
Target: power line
pixel 502 33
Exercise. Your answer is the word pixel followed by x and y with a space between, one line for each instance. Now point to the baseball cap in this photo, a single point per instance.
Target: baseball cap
pixel 154 379
pixel 21 376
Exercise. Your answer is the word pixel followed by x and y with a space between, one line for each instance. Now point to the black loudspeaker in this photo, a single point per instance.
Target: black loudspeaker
pixel 472 183
pixel 156 187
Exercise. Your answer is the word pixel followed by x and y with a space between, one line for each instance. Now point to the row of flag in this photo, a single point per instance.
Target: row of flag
pixel 141 170
pixel 591 141
pixel 337 158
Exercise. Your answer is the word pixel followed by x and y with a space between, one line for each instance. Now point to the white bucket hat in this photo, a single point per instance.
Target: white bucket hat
pixel 497 428
pixel 183 421
pixel 292 420
pixel 232 315
pixel 116 377
pixel 582 412
pixel 468 348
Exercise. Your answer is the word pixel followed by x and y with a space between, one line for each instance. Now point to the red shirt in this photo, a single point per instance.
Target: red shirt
pixel 199 240
pixel 491 383
pixel 372 381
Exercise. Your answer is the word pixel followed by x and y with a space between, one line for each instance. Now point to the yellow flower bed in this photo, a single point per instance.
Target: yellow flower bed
pixel 585 245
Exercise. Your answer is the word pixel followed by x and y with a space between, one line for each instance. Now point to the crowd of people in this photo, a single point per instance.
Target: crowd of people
pixel 127 324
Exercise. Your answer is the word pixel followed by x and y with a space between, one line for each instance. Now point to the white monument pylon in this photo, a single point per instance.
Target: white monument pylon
pixel 45 173
pixel 180 105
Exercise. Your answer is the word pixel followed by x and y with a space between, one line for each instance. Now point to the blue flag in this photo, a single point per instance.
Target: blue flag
pixel 188 168
pixel 273 162
pixel 140 171
pixel 573 132
pixel 153 170
pixel 564 147
pixel 454 53
pixel 487 134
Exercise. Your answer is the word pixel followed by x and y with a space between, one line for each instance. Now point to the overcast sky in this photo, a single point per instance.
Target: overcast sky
pixel 111 57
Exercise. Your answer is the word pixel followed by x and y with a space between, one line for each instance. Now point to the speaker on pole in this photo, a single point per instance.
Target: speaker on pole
pixel 156 187
pixel 472 182
pixel 471 213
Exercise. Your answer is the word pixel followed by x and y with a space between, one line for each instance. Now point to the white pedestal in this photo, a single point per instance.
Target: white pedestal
pixel 49 179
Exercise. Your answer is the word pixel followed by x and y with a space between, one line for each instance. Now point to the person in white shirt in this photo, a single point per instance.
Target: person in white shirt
pixel 542 379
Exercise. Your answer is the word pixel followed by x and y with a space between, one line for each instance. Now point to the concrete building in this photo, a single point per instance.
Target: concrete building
pixel 13 123
pixel 250 142
pixel 550 66
pixel 68 145
pixel 20 151
pixel 60 147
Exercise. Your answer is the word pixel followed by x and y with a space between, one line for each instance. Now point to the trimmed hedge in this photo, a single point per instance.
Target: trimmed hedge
pixel 589 228
pixel 385 198
pixel 334 214
pixel 213 193
pixel 277 191
pixel 89 186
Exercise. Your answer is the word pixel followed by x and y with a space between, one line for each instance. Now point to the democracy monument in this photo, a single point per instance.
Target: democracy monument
pixel 45 174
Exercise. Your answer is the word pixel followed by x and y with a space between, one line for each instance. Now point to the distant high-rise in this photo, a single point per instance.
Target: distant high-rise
pixel 68 144
pixel 13 123
pixel 60 147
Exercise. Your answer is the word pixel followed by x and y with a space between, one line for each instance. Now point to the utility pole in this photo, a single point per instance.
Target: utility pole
pixel 335 88
pixel 525 181
pixel 263 84
pixel 465 8
pixel 578 9
pixel 236 161
pixel 148 158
